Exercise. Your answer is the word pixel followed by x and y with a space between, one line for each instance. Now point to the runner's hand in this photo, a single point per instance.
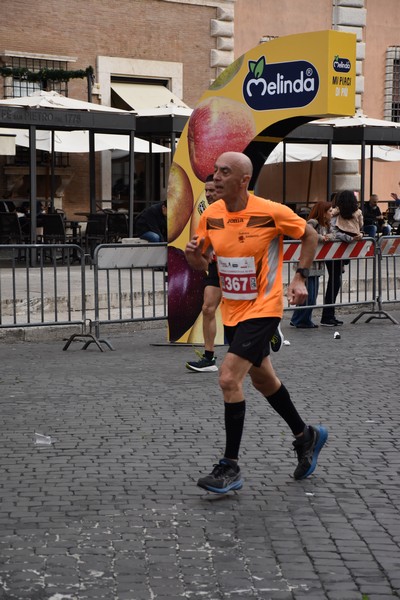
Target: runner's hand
pixel 297 292
pixel 194 253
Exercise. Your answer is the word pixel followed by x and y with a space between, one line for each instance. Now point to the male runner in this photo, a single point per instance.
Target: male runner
pixel 211 300
pixel 246 234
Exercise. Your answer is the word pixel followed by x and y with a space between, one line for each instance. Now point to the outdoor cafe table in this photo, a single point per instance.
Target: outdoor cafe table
pixel 75 227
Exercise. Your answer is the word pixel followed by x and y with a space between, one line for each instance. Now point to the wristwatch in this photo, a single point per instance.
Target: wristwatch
pixel 303 272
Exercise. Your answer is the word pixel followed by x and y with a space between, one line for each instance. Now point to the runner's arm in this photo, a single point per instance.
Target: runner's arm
pixel 195 255
pixel 297 290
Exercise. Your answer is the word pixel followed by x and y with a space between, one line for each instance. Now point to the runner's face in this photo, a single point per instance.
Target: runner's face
pixel 209 190
pixel 228 179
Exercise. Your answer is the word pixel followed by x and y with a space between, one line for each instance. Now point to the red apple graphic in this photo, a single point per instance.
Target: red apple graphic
pixel 185 294
pixel 179 200
pixel 218 125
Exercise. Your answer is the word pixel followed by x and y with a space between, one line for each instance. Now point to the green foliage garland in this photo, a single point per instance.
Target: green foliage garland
pixel 45 74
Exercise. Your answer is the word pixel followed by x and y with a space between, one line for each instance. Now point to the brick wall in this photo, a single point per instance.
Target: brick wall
pixel 142 29
pixel 145 29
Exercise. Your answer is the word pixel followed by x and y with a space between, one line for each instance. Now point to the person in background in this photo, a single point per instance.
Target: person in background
pixel 25 207
pixel 373 218
pixel 347 218
pixel 211 300
pixel 248 242
pixel 151 223
pixel 319 218
pixel 346 224
pixel 396 215
pixel 24 215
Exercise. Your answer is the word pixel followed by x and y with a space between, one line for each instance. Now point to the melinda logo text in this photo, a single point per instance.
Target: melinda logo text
pixel 341 65
pixel 280 85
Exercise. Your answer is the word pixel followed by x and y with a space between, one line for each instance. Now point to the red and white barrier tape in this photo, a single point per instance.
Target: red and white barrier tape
pixel 390 246
pixel 331 250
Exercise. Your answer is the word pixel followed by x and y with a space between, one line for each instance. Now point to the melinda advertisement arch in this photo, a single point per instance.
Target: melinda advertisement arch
pixel 261 97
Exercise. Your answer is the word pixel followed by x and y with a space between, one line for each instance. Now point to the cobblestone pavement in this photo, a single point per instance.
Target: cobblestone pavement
pixel 111 509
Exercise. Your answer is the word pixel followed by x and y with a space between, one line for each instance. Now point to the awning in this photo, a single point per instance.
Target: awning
pixel 142 95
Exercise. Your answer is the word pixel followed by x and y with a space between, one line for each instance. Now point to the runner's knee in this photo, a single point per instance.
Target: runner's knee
pixel 208 310
pixel 227 381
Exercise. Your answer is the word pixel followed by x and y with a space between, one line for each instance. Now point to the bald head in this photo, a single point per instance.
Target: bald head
pixel 374 200
pixel 232 174
pixel 237 160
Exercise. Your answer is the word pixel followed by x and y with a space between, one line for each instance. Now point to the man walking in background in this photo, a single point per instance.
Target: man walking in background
pixel 211 300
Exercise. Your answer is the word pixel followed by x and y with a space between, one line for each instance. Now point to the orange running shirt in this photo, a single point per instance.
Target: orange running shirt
pixel 249 247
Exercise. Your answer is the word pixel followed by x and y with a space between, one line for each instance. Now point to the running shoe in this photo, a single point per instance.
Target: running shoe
pixel 307 453
pixel 277 340
pixel 329 322
pixel 224 477
pixel 204 365
pixel 304 325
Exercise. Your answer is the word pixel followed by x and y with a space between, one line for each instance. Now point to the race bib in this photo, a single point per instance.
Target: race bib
pixel 238 278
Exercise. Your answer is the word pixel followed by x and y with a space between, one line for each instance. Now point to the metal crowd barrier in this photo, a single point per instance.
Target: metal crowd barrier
pixel 41 285
pixel 45 285
pixel 388 276
pixel 129 285
pixel 389 279
pixel 359 271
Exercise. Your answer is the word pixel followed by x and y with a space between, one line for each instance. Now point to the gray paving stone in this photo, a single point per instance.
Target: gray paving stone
pixel 111 509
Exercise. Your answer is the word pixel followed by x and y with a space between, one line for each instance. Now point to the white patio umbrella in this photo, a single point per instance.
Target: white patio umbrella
pixel 353 152
pixel 386 153
pixel 78 141
pixel 55 100
pixel 362 126
pixel 357 120
pixel 314 152
pixel 294 153
pixel 170 109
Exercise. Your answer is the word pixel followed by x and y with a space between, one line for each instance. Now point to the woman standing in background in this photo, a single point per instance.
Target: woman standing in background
pixel 346 225
pixel 320 219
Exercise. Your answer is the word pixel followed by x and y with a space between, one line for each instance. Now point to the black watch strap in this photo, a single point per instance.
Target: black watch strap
pixel 303 272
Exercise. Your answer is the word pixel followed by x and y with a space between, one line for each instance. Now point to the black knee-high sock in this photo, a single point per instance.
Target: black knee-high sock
pixel 234 421
pixel 282 404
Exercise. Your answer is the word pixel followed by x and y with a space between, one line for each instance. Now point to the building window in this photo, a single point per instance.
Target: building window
pixel 150 170
pixel 392 84
pixel 19 86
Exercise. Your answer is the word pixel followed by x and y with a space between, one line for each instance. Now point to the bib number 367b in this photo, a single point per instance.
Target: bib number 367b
pixel 238 278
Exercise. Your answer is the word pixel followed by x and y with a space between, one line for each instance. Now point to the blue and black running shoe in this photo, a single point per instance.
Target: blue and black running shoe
pixel 224 477
pixel 307 453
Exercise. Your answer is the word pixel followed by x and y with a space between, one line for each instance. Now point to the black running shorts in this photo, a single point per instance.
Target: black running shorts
pixel 212 278
pixel 250 339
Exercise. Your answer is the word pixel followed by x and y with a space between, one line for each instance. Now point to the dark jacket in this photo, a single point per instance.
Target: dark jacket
pixel 152 219
pixel 371 213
